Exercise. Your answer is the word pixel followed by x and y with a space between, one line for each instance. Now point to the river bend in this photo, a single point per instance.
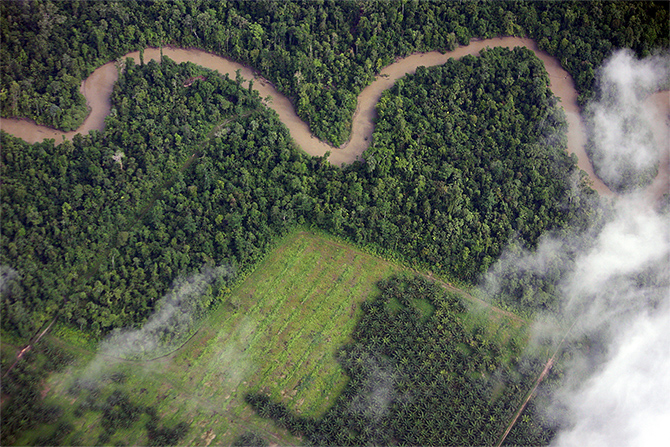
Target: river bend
pixel 97 89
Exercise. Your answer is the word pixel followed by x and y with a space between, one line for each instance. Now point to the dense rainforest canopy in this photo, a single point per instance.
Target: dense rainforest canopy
pixel 319 53
pixel 465 157
pixel 186 177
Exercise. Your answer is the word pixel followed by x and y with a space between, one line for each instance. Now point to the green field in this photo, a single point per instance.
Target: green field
pixel 278 333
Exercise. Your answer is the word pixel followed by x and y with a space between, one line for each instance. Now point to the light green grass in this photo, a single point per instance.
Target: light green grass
pixel 278 333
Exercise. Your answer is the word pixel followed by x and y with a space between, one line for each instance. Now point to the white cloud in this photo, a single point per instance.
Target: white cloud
pixel 619 289
pixel 175 316
pixel 621 122
pixel 615 283
pixel 626 403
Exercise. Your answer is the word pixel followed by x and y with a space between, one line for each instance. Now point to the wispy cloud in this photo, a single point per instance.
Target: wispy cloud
pixel 374 399
pixel 619 289
pixel 618 295
pixel 621 120
pixel 613 281
pixel 176 315
pixel 6 275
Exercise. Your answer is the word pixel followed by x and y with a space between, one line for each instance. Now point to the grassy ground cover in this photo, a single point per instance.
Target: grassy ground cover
pixel 277 333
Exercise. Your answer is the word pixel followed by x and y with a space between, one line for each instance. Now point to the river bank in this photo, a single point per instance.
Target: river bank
pixel 97 89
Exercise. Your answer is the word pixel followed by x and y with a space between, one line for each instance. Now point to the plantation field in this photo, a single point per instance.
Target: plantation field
pixel 277 333
pixel 280 328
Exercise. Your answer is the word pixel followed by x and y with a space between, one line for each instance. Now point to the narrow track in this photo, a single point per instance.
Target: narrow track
pixel 531 393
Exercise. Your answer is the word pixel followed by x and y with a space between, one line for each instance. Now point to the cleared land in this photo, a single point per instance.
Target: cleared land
pixel 278 333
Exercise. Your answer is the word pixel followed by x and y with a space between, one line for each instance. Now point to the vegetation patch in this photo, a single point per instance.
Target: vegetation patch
pixel 277 333
pixel 418 378
pixel 464 156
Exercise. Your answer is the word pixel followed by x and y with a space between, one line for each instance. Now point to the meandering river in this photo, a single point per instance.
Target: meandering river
pixel 97 89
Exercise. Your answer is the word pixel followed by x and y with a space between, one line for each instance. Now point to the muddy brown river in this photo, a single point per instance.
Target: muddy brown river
pixel 97 89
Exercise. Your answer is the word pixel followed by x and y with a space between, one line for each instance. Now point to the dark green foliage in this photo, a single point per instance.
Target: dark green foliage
pixel 56 438
pixel 20 413
pixel 210 178
pixel 22 387
pixel 100 241
pixel 250 439
pixel 319 54
pixel 420 382
pixel 163 436
pixel 464 156
pixel 117 411
pixel 583 34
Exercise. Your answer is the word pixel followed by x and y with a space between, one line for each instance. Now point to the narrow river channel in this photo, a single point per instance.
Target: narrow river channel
pixel 97 89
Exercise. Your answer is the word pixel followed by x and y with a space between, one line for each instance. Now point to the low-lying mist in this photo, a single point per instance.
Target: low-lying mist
pixel 623 146
pixel 612 281
pixel 617 298
pixel 176 316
